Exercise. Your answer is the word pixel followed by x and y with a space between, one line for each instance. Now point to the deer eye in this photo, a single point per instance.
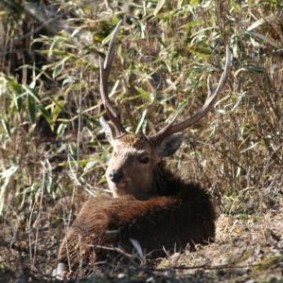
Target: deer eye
pixel 144 159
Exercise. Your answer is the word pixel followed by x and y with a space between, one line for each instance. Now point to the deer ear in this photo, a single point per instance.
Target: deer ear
pixel 108 129
pixel 169 145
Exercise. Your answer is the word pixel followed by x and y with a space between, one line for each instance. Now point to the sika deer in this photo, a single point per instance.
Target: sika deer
pixel 152 206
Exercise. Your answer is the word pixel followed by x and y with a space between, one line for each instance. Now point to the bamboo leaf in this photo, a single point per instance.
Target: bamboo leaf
pixel 32 108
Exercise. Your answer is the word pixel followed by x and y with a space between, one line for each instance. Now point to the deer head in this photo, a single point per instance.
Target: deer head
pixel 133 166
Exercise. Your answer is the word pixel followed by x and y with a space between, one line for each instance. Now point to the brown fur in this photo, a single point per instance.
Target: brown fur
pixel 173 215
pixel 133 141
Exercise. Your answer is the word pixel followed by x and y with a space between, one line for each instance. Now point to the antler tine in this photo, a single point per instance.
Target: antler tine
pixel 105 67
pixel 210 101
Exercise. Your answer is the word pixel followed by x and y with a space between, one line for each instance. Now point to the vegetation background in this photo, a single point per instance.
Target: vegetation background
pixel 53 154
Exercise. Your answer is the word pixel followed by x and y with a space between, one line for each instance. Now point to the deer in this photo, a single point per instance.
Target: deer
pixel 152 210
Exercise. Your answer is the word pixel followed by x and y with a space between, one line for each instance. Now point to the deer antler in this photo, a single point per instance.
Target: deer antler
pixel 105 67
pixel 210 101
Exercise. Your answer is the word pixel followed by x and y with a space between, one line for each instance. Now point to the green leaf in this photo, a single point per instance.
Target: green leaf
pixel 45 113
pixel 31 92
pixel 32 108
pixel 148 96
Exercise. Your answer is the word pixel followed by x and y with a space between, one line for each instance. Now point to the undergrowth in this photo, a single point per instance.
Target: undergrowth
pixel 53 154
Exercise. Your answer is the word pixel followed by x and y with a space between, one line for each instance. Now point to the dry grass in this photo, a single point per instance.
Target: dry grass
pixel 53 154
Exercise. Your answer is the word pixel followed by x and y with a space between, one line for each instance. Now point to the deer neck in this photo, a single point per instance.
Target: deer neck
pixel 165 181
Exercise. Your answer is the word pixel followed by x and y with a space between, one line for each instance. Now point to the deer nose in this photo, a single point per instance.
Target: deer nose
pixel 115 176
